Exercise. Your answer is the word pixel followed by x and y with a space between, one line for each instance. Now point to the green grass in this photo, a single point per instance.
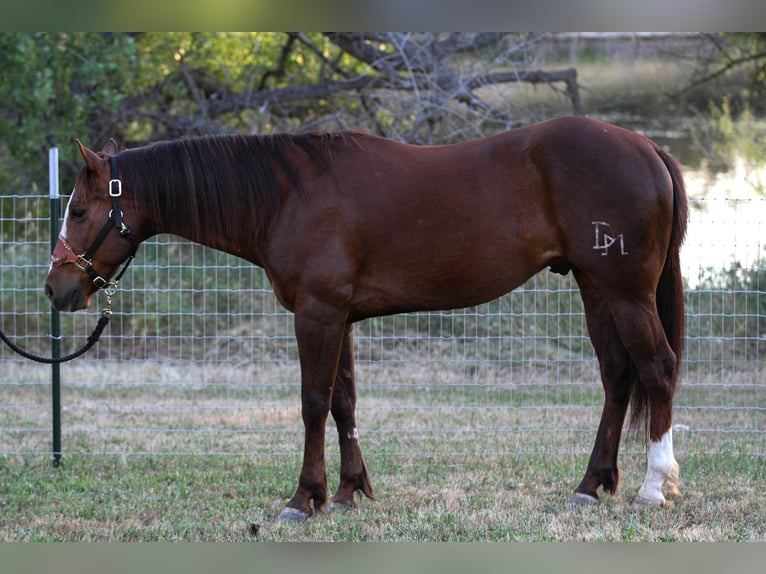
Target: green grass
pixel 204 498
pixel 450 462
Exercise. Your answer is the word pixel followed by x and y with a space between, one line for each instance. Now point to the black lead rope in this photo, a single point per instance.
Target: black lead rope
pixel 106 316
pixel 92 340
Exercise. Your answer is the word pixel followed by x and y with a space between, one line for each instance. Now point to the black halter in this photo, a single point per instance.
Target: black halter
pixel 115 221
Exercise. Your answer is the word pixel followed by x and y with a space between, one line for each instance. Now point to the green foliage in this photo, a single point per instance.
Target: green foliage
pixel 738 136
pixel 57 86
pixel 141 87
pixel 62 86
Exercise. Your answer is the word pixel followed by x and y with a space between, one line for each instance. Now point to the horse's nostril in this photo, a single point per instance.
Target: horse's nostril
pixel 49 292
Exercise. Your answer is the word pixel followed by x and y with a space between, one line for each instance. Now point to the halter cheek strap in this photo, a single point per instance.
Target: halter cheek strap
pixel 63 252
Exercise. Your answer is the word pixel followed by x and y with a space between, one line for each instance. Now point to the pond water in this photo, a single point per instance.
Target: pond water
pixel 727 226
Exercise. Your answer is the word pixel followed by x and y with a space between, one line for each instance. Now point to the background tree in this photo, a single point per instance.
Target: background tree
pixel 422 88
pixel 416 87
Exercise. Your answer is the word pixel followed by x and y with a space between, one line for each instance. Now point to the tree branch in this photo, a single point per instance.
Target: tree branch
pixel 322 89
pixel 193 89
pixel 731 64
pixel 280 70
pixel 415 75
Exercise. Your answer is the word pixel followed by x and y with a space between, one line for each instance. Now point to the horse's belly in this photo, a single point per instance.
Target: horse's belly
pixel 428 285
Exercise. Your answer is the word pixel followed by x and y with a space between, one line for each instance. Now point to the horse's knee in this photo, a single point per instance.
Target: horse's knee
pixel 343 404
pixel 315 406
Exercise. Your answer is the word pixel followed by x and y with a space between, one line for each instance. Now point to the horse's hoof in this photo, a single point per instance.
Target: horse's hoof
pixel 643 501
pixel 581 499
pixel 292 515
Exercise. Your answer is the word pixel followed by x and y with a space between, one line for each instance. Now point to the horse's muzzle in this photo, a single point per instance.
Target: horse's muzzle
pixel 72 299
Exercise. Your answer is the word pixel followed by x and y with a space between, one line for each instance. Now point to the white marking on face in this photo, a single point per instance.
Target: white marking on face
pixel 661 470
pixel 66 216
pixel 62 233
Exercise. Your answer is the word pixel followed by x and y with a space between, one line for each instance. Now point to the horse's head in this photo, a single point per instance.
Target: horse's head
pixel 95 238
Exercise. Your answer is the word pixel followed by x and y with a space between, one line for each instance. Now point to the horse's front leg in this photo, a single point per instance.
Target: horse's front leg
pixel 320 334
pixel 353 472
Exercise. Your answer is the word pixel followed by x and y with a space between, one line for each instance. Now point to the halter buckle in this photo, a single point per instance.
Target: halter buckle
pixel 82 263
pixel 115 188
pixel 99 281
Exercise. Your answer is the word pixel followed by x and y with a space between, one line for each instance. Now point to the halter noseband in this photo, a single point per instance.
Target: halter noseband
pixel 63 253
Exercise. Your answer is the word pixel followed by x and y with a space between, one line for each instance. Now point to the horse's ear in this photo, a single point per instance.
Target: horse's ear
pixel 91 158
pixel 111 147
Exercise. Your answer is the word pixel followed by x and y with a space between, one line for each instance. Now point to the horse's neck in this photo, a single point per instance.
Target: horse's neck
pixel 247 248
pixel 220 205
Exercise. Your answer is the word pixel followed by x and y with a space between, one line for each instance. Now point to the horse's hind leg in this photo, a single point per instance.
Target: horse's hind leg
pixel 617 376
pixel 642 333
pixel 353 472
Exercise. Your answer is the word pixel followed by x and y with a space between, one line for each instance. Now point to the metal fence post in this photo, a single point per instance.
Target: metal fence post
pixel 55 209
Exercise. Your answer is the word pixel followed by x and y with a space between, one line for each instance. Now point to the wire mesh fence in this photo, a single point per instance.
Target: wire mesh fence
pixel 200 358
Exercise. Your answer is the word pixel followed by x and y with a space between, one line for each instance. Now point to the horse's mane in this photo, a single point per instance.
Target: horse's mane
pixel 213 181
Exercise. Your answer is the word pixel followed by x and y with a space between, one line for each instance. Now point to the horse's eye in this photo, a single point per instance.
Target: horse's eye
pixel 77 213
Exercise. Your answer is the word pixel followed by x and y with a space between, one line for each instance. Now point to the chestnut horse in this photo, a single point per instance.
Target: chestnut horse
pixel 350 225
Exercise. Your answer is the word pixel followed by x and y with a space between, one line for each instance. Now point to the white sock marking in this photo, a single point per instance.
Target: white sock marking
pixel 661 470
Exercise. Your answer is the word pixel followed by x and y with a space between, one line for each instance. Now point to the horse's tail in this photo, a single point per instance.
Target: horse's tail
pixel 670 295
